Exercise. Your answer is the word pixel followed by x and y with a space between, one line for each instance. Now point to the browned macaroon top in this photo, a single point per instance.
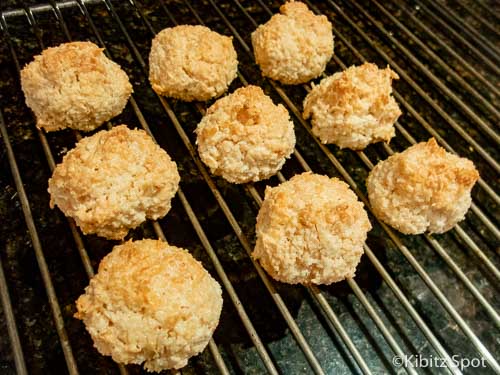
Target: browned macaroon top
pixel 113 181
pixel 354 108
pixel 295 45
pixel 74 85
pixel 150 303
pixel 311 229
pixel 192 62
pixel 245 137
pixel 423 188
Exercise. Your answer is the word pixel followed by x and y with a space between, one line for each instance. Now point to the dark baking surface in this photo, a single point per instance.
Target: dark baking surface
pixel 39 339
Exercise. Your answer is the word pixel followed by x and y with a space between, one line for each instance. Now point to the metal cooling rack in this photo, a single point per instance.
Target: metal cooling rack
pixel 446 54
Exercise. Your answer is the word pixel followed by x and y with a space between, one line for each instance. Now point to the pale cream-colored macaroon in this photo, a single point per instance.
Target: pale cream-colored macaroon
pixel 113 181
pixel 192 63
pixel 150 303
pixel 311 229
pixel 294 46
pixel 354 108
pixel 245 137
pixel 74 85
pixel 423 188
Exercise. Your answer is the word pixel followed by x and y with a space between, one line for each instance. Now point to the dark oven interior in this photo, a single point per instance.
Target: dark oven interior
pixel 435 296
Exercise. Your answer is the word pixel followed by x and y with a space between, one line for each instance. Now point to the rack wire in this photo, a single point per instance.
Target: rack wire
pixel 472 123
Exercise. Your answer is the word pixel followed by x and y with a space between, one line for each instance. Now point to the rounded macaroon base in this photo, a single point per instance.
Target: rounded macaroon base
pixel 353 108
pixel 74 85
pixel 191 63
pixel 294 46
pixel 113 181
pixel 150 303
pixel 423 188
pixel 245 137
pixel 311 230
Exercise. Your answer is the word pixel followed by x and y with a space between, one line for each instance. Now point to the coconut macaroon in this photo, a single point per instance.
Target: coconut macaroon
pixel 311 229
pixel 354 108
pixel 245 137
pixel 192 63
pixel 113 181
pixel 150 303
pixel 74 86
pixel 423 188
pixel 293 47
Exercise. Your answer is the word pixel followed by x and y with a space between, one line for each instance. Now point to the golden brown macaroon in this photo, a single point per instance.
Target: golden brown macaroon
pixel 423 188
pixel 74 85
pixel 311 229
pixel 354 108
pixel 150 303
pixel 245 137
pixel 113 181
pixel 192 63
pixel 294 46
